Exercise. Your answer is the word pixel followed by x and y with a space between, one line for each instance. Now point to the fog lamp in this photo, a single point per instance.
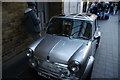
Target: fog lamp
pixel 33 62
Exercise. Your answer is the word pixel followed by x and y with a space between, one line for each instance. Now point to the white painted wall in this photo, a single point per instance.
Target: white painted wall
pixel 73 6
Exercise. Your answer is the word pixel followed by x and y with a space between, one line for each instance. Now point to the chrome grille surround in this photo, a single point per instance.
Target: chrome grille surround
pixel 60 69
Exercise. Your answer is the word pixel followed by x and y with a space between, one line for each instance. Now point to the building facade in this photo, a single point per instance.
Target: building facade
pixel 73 6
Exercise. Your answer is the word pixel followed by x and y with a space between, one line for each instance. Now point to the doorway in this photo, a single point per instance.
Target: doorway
pixel 43 13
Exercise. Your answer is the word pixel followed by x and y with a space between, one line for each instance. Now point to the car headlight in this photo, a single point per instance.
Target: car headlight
pixel 74 66
pixel 30 53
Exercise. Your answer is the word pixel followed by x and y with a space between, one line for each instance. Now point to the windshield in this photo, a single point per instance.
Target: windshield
pixel 69 27
pixel 60 26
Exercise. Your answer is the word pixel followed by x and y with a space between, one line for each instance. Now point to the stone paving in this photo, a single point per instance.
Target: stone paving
pixel 106 58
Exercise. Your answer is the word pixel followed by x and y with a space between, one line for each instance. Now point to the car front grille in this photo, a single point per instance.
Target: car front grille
pixel 51 66
pixel 57 68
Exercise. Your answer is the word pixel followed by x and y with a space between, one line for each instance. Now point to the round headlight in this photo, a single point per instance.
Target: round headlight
pixel 74 66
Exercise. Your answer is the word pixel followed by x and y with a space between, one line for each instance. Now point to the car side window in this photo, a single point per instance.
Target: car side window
pixel 77 25
pixel 82 29
pixel 88 31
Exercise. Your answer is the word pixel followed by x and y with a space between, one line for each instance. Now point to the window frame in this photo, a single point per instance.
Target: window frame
pixel 94 27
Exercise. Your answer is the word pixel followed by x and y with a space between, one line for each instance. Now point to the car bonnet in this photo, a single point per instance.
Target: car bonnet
pixel 57 48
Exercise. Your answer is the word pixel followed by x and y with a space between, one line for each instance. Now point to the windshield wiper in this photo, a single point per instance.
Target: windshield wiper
pixel 63 35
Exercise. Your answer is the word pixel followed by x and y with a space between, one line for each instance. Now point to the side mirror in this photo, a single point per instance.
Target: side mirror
pixel 96 37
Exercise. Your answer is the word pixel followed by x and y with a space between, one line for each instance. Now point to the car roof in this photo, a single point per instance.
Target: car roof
pixel 80 16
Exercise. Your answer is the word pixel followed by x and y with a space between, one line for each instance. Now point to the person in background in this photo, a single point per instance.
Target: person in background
pixel 111 8
pixel 115 9
pixel 99 6
pixel 101 10
pixel 104 9
pixel 32 22
pixel 95 9
pixel 91 7
pixel 118 8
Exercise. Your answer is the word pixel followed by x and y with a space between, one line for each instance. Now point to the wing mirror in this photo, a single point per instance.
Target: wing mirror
pixel 96 37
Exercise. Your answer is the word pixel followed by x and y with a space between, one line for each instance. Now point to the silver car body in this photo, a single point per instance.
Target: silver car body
pixel 53 56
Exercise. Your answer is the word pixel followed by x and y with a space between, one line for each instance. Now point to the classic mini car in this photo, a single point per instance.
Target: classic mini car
pixel 67 50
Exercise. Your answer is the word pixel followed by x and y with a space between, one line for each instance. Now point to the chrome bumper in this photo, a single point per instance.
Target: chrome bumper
pixel 51 75
pixel 54 75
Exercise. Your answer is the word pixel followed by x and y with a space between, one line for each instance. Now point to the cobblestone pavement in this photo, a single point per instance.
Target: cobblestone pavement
pixel 106 58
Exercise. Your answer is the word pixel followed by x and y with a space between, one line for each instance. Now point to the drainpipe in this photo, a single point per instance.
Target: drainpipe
pixel 87 6
pixel 81 5
pixel 37 7
pixel 77 7
pixel 69 6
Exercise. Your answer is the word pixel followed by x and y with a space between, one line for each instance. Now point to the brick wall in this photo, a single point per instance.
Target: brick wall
pixel 15 37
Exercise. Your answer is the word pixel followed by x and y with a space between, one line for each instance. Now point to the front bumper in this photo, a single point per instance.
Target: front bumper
pixel 55 76
pixel 53 73
pixel 50 74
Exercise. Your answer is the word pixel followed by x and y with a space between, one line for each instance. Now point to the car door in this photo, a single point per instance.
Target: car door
pixel 93 39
